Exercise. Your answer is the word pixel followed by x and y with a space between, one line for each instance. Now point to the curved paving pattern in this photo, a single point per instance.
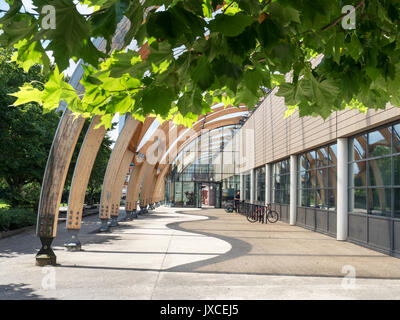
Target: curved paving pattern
pixel 197 254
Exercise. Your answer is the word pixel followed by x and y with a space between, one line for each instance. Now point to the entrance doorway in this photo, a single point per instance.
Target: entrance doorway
pixel 208 194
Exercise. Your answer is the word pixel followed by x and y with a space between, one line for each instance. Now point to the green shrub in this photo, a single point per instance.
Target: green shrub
pixel 16 218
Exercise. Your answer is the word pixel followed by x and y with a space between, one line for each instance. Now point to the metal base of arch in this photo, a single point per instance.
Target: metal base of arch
pixel 46 255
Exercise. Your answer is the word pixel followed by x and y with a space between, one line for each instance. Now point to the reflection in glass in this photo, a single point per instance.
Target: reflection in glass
pixel 178 194
pixel 281 182
pixel 332 177
pixel 358 147
pixel 247 180
pixel 357 172
pixel 396 170
pixel 358 200
pixel 332 199
pixel 380 201
pixel 260 184
pixel 380 171
pixel 322 157
pixel 333 154
pixel 188 194
pixel 396 138
pixel 379 143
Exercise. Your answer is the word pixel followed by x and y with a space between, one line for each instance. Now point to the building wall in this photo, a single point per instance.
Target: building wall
pixel 268 137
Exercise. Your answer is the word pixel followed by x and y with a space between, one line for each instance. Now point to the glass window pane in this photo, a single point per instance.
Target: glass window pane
pixel 396 170
pixel 312 158
pixel 380 172
pixel 333 154
pixel 357 174
pixel 305 180
pixel 188 194
pixel 358 147
pixel 379 143
pixel 332 199
pixel 396 138
pixel 332 177
pixel 322 198
pixel 178 194
pixel 358 200
pixel 304 163
pixel 304 197
pixel 380 201
pixel 322 178
pixel 322 157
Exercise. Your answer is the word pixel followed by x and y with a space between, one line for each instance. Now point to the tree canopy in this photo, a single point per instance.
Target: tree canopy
pixel 194 53
pixel 26 134
pixel 26 137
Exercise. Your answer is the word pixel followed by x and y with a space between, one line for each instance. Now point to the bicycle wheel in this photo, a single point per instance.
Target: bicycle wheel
pixel 273 216
pixel 252 217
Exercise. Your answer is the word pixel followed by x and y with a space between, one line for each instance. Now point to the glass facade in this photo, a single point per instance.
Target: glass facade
pixel 374 172
pixel 247 186
pixel 281 182
pixel 317 178
pixel 259 181
pixel 205 168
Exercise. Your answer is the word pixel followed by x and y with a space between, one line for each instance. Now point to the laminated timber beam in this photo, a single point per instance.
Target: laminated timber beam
pixel 117 159
pixel 56 171
pixel 139 178
pixel 83 169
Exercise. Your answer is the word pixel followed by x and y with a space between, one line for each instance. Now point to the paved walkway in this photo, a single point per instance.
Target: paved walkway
pixel 197 254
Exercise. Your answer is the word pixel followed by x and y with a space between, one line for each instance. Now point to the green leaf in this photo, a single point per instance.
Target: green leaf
pixel 203 74
pixel 27 94
pixel 71 37
pixel 30 53
pixel 230 25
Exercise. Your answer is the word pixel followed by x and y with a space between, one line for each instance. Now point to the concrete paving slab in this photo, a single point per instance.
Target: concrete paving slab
pixel 208 254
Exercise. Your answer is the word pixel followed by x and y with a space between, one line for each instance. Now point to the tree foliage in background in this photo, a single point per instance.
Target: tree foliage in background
pixel 198 52
pixel 26 134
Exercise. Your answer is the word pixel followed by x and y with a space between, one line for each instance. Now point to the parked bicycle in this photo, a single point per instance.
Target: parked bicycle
pixel 262 214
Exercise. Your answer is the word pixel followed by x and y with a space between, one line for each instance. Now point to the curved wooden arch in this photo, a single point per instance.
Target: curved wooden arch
pixel 62 148
pixel 113 168
pixel 145 193
pixel 159 185
pixel 83 169
pixel 119 184
pixel 136 180
pixel 56 171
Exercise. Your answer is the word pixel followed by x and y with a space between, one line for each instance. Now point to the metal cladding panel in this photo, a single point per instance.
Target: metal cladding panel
pixel 332 216
pixel 357 227
pixel 321 219
pixel 396 238
pixel 380 232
